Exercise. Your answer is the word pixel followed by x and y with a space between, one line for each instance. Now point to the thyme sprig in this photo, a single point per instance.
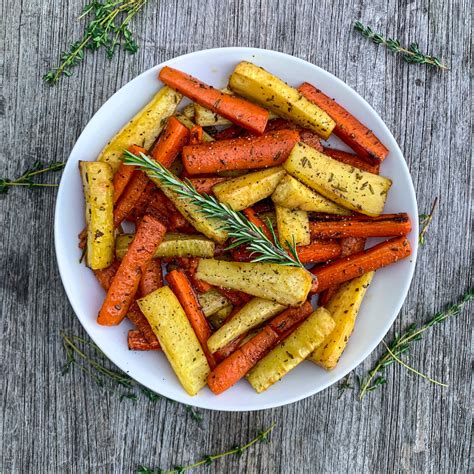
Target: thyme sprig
pixel 425 221
pixel 26 179
pixel 401 345
pixel 262 436
pixel 239 228
pixel 412 54
pixel 87 357
pixel 107 29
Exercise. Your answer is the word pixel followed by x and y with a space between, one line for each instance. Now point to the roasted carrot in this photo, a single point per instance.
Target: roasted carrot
pixel 234 367
pixel 385 225
pixel 124 286
pixel 196 135
pixel 183 290
pixel 230 132
pixel 348 128
pixel 239 111
pixel 152 277
pixel 170 143
pixel 204 185
pixel 142 202
pixel 307 136
pixel 229 348
pixel 237 298
pixel 121 179
pixel 106 275
pixel 270 149
pixel 318 251
pixel 347 268
pixel 137 342
pixel 351 159
pixel 135 315
pixel 253 217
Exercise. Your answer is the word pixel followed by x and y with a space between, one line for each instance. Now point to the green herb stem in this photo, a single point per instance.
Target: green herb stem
pixel 425 221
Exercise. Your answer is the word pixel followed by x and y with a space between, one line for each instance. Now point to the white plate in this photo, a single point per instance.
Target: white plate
pixel 379 309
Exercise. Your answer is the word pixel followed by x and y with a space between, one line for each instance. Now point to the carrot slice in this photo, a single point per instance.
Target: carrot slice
pixel 170 143
pixel 136 316
pixel 270 149
pixel 385 225
pixel 183 290
pixel 351 159
pixel 348 128
pixel 106 275
pixel 232 369
pixel 204 185
pixel 136 342
pixel 152 277
pixel 124 286
pixel 196 135
pixel 239 111
pixel 121 179
pixel 347 268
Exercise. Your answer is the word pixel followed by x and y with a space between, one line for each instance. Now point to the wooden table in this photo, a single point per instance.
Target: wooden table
pixel 54 423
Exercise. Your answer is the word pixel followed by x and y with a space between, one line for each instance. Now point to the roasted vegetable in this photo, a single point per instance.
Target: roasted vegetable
pixel 218 318
pixel 293 226
pixel 348 186
pixel 144 128
pixel 177 339
pixel 292 194
pixel 189 124
pixel 248 189
pixel 254 313
pixel 258 85
pixel 213 301
pixel 292 350
pixel 99 197
pixel 173 245
pixel 285 285
pixel 343 306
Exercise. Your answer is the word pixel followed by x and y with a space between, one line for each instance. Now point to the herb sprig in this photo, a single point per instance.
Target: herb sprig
pixel 107 29
pixel 262 436
pixel 87 356
pixel 26 179
pixel 401 345
pixel 239 228
pixel 425 221
pixel 412 54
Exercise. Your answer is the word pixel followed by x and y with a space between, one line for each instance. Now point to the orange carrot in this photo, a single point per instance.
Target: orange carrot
pixel 306 136
pixel 136 342
pixel 351 159
pixel 121 179
pixel 106 275
pixel 232 369
pixel 348 128
pixel 152 277
pixel 227 133
pixel 385 225
pixel 124 286
pixel 130 196
pixel 170 143
pixel 204 185
pixel 239 111
pixel 318 251
pixel 195 135
pixel 236 297
pixel 136 316
pixel 270 149
pixel 253 217
pixel 142 202
pixel 183 290
pixel 347 268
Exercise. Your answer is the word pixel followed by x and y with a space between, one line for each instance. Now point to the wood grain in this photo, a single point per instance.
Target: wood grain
pixel 54 423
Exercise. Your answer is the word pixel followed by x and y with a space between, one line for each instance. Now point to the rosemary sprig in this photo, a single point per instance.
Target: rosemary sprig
pixel 412 54
pixel 87 356
pixel 26 179
pixel 262 436
pixel 401 345
pixel 108 29
pixel 425 221
pixel 239 228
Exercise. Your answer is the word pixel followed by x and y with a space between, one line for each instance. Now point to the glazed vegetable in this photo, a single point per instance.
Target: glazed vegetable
pixel 343 306
pixel 293 226
pixel 271 149
pixel 207 118
pixel 292 194
pixel 254 313
pixel 188 111
pixel 351 159
pixel 106 275
pixel 291 351
pixel 177 338
pixel 319 251
pixel 124 286
pixel 234 367
pixel 173 245
pixel 248 189
pixel 99 197
pixel 355 265
pixel 179 284
pixel 258 85
pixel 205 185
pixel 189 124
pixel 218 318
pixel 285 285
pixel 171 142
pixel 152 277
pixel 385 225
pixel 144 128
pixel 348 186
pixel 135 315
pixel 237 110
pixel 137 342
pixel 121 179
pixel 212 302
pixel 252 216
pixel 348 128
